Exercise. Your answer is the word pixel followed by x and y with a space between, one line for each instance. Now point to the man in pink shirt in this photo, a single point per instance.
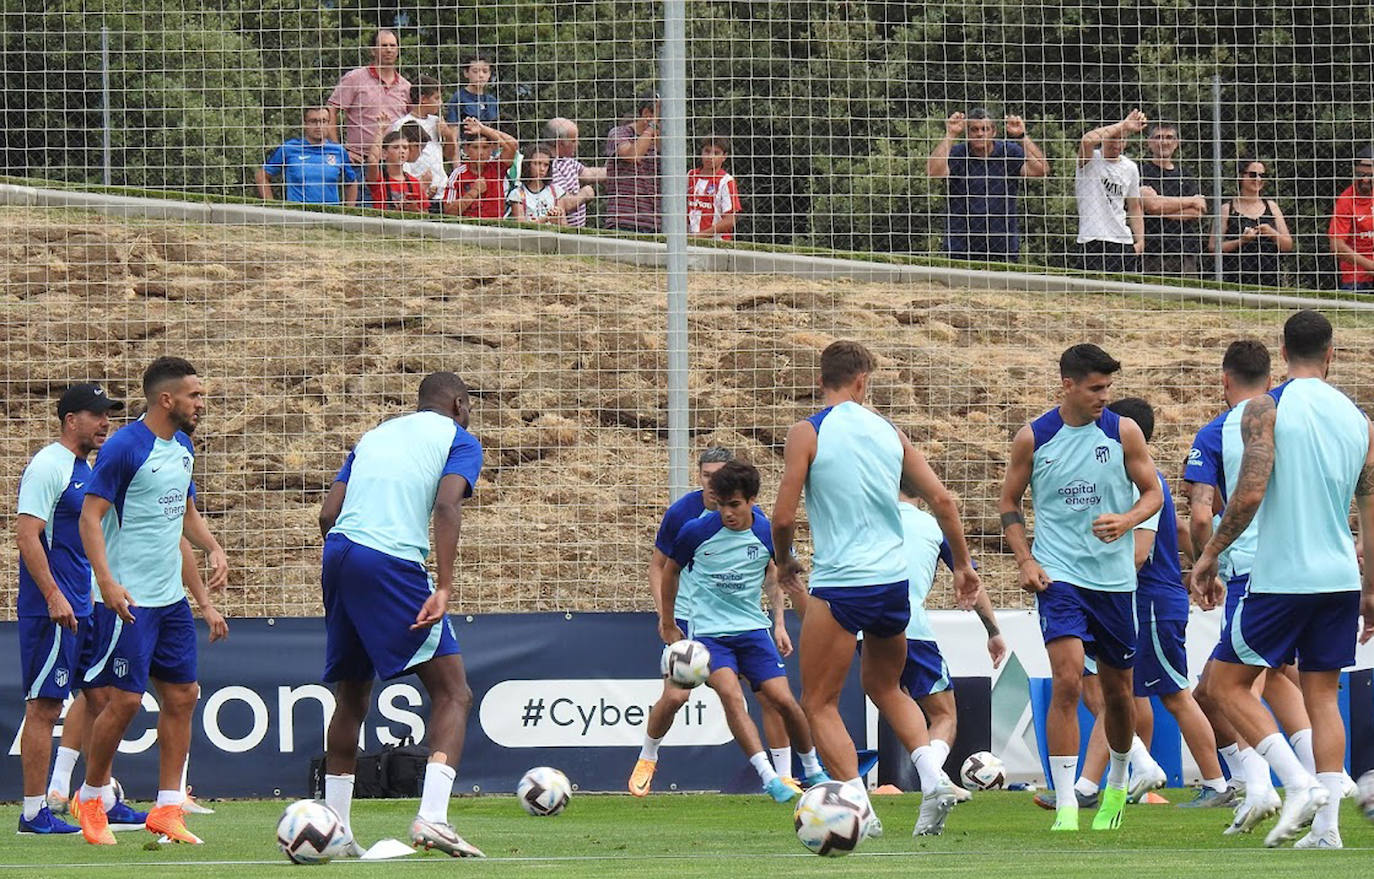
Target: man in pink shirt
pixel 370 97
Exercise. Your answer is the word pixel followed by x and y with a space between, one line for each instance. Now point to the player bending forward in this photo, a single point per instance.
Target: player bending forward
pixel 730 555
pixel 383 618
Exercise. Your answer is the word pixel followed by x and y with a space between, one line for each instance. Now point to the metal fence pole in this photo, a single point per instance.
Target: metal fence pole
pixel 108 175
pixel 673 152
pixel 1216 172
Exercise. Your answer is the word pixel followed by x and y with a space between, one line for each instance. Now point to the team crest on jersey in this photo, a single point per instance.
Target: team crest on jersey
pixel 120 667
pixel 331 160
pixel 61 676
pixel 752 552
pixel 1103 454
pixel 710 189
pixel 186 463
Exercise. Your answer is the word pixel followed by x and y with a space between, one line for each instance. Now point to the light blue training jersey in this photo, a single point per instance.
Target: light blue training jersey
pixel 52 489
pixel 728 569
pixel 1214 460
pixel 393 477
pixel 851 499
pixel 1077 474
pixel 148 481
pixel 1321 439
pixel 924 544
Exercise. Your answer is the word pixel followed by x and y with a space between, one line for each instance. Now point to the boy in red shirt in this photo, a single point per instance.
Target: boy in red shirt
pixel 712 195
pixel 389 186
pixel 1351 231
pixel 477 187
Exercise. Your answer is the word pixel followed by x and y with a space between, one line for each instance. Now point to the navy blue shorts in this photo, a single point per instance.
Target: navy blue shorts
pixel 880 611
pixel 1104 621
pixel 751 655
pixel 51 658
pixel 371 600
pixel 1235 588
pixel 925 672
pixel 1269 630
pixel 160 643
pixel 1161 663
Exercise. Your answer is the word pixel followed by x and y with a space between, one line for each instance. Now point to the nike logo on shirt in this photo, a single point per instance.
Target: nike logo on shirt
pixel 1153 682
pixel 77 484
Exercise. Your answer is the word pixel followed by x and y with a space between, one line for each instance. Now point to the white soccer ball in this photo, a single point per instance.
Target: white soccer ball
pixel 686 662
pixel 544 791
pixel 1364 794
pixel 983 771
pixel 830 819
pixel 310 832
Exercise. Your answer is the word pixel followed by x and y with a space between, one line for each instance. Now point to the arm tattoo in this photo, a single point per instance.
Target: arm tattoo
pixel 1013 518
pixel 989 622
pixel 1257 430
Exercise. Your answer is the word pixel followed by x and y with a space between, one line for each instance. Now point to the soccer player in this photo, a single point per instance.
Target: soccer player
pixel 926 676
pixel 730 552
pixel 849 460
pixel 1161 668
pixel 1083 465
pixel 1308 454
pixel 139 503
pixel 54 605
pixel 694 505
pixel 383 617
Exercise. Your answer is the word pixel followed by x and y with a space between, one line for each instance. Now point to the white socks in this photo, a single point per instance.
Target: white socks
pixel 62 771
pixel 1085 786
pixel 811 763
pixel 436 792
pixel 104 792
pixel 170 798
pixel 1230 755
pixel 1140 757
pixel 1302 746
pixel 1119 768
pixel 1255 772
pixel 338 795
pixel 860 788
pixel 941 749
pixel 649 751
pixel 1276 752
pixel 1328 817
pixel 1216 784
pixel 782 761
pixel 1062 773
pixel 927 767
pixel 32 806
pixel 765 769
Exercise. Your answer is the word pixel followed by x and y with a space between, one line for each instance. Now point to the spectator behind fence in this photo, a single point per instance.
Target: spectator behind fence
pixel 569 174
pixel 712 194
pixel 1174 207
pixel 536 198
pixel 984 174
pixel 1253 231
pixel 312 166
pixel 473 99
pixel 441 140
pixel 1351 231
pixel 1111 226
pixel 477 186
pixel 370 97
pixel 632 187
pixel 389 185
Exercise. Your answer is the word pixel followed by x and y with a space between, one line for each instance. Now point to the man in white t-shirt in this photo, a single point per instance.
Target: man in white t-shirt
pixel 426 98
pixel 1111 221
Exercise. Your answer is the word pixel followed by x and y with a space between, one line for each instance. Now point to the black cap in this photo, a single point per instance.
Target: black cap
pixel 87 397
pixel 1365 154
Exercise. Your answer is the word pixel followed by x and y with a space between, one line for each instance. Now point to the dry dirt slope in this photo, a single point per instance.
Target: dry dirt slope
pixel 310 337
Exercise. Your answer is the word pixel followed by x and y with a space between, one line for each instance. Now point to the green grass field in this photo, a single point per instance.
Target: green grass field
pixel 713 836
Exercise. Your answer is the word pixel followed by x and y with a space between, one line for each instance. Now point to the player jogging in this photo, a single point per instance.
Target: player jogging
pixel 54 605
pixel 138 505
pixel 849 461
pixel 926 676
pixel 1083 465
pixel 694 505
pixel 1308 454
pixel 383 617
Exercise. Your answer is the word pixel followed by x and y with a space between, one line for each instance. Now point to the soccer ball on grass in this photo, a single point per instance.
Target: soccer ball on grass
pixel 983 771
pixel 830 819
pixel 310 832
pixel 686 663
pixel 544 791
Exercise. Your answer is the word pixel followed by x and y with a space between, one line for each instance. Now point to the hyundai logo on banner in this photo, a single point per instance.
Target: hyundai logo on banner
pixel 594 713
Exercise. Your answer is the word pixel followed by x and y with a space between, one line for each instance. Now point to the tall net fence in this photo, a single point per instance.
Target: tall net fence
pixel 838 125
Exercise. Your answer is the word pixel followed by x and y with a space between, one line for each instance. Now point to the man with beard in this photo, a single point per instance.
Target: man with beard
pixel 1351 231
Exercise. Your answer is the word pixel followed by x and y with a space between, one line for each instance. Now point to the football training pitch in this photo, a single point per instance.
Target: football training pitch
pixel 721 837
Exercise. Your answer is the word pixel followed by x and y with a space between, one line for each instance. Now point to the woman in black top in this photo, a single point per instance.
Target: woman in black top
pixel 1254 231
